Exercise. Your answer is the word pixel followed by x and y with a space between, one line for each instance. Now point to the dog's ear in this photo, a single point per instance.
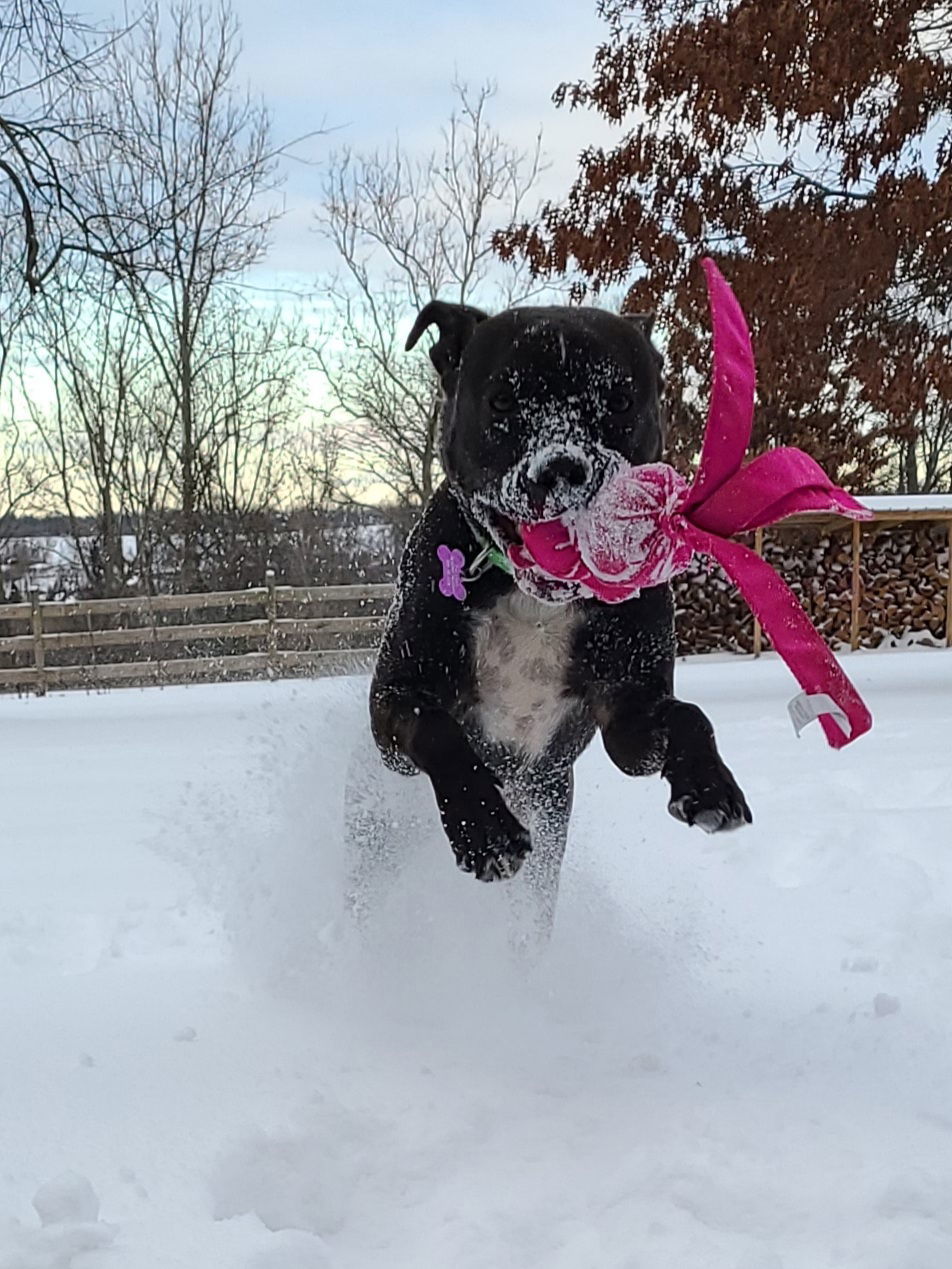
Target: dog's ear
pixel 644 321
pixel 456 323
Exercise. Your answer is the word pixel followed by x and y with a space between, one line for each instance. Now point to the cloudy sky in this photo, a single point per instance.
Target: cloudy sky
pixel 368 69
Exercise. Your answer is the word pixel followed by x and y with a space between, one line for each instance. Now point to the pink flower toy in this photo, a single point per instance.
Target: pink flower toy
pixel 646 524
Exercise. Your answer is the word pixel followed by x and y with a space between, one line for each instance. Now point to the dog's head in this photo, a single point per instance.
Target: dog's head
pixel 539 405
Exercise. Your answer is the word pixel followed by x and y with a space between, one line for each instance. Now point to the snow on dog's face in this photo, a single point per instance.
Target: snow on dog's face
pixel 539 406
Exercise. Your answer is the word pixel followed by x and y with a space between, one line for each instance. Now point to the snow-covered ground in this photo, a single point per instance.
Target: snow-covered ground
pixel 736 1053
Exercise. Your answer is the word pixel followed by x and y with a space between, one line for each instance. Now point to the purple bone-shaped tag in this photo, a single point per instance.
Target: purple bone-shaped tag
pixel 451 583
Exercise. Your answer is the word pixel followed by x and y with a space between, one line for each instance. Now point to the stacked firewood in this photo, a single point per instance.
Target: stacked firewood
pixel 905 572
pixel 711 616
pixel 903 588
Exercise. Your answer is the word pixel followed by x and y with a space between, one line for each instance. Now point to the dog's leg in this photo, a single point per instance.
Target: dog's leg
pixel 646 733
pixel 703 789
pixel 542 798
pixel 486 837
pixel 424 670
pixel 626 673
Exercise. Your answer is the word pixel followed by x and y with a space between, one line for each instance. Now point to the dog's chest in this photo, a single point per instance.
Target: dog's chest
pixel 522 650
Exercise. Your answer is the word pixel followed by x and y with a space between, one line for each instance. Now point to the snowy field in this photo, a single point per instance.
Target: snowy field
pixel 736 1054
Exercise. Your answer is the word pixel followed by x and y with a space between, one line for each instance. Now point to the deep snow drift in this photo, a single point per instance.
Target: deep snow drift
pixel 736 1054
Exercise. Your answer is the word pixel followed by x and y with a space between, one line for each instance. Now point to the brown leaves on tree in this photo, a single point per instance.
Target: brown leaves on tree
pixel 807 146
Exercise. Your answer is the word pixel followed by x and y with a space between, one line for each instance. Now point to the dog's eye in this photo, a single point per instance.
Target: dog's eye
pixel 502 401
pixel 618 401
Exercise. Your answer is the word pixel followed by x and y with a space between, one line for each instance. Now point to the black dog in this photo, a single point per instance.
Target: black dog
pixel 495 696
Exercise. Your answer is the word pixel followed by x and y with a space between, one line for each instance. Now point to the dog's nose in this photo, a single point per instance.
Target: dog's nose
pixel 570 471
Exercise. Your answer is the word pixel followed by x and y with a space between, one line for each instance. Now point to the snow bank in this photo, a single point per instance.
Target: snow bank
pixel 736 1052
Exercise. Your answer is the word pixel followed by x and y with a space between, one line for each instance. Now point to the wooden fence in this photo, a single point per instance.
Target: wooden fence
pixel 280 631
pixel 267 632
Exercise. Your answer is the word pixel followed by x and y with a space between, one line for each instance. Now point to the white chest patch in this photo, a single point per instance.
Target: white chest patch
pixel 522 650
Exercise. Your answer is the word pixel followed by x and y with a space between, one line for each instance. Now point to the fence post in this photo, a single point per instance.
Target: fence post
pixel 272 615
pixel 855 587
pixel 39 654
pixel 758 629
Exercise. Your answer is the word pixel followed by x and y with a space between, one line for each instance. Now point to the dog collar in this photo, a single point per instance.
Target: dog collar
pixel 456 575
pixel 454 581
pixel 489 555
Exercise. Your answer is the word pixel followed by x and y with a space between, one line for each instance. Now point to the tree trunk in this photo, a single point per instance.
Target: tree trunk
pixel 910 467
pixel 188 458
pixel 111 548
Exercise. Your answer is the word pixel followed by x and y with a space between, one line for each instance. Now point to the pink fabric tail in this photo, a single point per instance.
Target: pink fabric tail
pixel 731 410
pixel 727 498
pixel 790 631
pixel 778 484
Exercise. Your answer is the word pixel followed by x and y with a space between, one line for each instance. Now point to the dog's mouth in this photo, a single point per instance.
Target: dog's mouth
pixel 504 528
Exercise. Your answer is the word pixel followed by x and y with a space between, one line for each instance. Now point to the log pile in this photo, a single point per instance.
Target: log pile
pixel 904 583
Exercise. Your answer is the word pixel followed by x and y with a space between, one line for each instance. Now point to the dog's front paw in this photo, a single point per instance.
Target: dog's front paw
pixel 708 796
pixel 487 839
pixel 494 860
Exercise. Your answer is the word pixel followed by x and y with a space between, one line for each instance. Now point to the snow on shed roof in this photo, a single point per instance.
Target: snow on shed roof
pixel 908 502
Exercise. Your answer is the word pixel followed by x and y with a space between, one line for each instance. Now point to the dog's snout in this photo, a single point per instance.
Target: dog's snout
pixel 564 467
pixel 560 472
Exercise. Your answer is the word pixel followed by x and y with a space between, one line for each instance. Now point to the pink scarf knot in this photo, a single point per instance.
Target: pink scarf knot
pixel 646 524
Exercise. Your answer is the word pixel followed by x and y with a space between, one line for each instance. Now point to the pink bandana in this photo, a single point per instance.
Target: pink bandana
pixel 646 524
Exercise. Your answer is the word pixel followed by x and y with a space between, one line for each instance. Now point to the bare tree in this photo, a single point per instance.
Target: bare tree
pixel 91 422
pixel 20 474
pixel 312 479
pixel 314 489
pixel 921 459
pixel 907 378
pixel 407 230
pixel 50 58
pixel 109 435
pixel 22 477
pixel 184 186
pixel 248 404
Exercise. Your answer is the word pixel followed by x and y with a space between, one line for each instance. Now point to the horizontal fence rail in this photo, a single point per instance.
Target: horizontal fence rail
pixel 273 631
pixel 265 632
